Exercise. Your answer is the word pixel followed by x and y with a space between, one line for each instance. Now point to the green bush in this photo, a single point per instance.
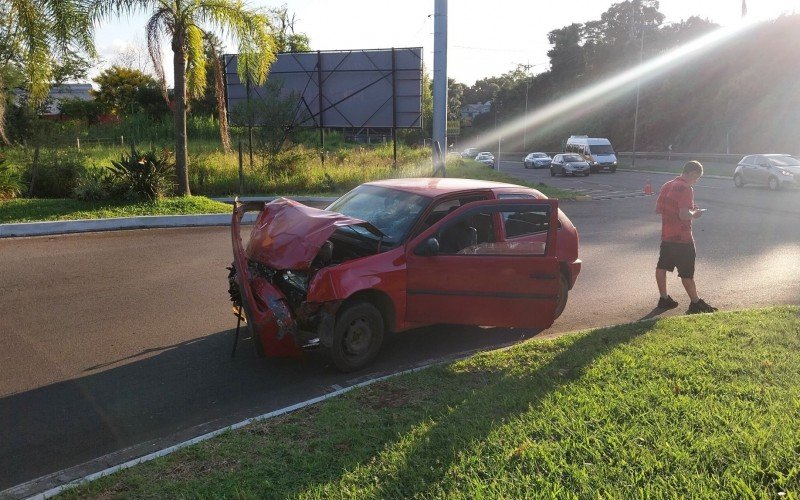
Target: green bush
pixel 146 175
pixel 96 184
pixel 286 163
pixel 53 173
pixel 10 182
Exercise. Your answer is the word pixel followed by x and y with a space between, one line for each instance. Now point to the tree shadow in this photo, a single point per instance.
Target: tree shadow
pixel 434 452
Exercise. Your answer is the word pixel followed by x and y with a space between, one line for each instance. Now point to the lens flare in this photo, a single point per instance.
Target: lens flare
pixel 553 114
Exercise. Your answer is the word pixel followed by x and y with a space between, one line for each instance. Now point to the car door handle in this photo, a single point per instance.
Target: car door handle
pixel 541 276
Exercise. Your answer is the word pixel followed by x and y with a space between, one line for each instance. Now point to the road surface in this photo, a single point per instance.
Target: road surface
pixel 120 342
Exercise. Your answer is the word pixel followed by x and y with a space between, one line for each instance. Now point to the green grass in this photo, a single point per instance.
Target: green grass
pixel 31 210
pixel 685 407
pixel 311 181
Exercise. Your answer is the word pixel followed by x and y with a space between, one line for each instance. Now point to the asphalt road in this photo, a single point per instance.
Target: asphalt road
pixel 120 342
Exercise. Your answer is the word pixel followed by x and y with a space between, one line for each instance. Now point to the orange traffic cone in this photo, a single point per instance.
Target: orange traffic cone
pixel 648 187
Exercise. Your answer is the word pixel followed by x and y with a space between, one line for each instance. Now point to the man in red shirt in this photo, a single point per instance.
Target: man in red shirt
pixel 676 206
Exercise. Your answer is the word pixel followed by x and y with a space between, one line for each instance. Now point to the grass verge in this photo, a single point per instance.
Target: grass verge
pixel 31 210
pixel 35 209
pixel 686 407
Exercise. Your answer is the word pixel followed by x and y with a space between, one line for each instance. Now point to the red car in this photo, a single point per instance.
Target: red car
pixel 398 254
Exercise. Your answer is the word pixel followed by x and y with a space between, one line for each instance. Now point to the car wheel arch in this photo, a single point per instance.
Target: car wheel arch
pixel 381 301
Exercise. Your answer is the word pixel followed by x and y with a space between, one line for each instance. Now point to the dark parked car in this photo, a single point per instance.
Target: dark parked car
pixel 569 164
pixel 469 153
pixel 398 254
pixel 773 170
pixel 537 160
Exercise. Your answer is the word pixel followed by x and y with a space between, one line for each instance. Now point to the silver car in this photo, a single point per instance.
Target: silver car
pixel 537 160
pixel 773 170
pixel 569 164
pixel 486 158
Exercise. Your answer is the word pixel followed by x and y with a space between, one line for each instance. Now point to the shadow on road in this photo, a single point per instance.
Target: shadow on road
pixel 172 393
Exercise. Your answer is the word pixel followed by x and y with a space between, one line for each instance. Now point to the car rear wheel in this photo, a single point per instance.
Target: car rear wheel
pixel 357 336
pixel 737 181
pixel 774 185
pixel 563 294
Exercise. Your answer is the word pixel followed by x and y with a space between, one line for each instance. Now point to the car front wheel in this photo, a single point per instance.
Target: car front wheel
pixel 737 181
pixel 357 336
pixel 552 172
pixel 774 185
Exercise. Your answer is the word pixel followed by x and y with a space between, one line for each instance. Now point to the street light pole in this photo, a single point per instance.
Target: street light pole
pixel 525 122
pixel 636 112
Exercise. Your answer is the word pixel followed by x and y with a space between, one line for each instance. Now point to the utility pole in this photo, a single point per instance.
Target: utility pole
pixel 527 68
pixel 440 85
pixel 638 85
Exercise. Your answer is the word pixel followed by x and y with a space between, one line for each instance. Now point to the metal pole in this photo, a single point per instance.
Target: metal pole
pixel 440 82
pixel 241 169
pixel 394 109
pixel 636 113
pixel 319 101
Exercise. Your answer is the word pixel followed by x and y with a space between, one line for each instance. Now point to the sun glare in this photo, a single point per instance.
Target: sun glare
pixel 558 112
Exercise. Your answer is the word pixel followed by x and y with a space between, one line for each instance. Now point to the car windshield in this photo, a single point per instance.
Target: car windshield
pixel 784 161
pixel 572 158
pixel 601 149
pixel 538 155
pixel 390 210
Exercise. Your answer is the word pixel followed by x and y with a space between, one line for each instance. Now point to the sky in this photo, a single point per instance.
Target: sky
pixel 484 38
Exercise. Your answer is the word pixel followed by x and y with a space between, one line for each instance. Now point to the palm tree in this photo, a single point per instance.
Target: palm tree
pixel 34 35
pixel 185 23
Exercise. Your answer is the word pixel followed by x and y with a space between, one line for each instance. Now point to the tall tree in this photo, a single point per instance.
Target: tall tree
pixel 34 35
pixel 185 23
pixel 286 38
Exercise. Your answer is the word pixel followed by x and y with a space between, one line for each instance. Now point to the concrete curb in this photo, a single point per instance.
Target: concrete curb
pixel 23 229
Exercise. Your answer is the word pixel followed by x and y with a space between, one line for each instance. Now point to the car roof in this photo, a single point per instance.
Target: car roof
pixel 432 187
pixel 774 154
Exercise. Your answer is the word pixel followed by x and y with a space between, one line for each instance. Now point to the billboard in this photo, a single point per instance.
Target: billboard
pixel 378 88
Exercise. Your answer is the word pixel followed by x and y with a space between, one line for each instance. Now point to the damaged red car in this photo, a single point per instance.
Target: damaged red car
pixel 398 254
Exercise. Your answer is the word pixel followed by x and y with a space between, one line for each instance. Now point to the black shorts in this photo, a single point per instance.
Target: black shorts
pixel 680 255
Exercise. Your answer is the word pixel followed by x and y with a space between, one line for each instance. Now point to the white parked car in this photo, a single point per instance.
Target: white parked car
pixel 537 160
pixel 569 164
pixel 486 158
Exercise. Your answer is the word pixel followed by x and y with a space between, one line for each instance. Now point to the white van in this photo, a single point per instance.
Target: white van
pixel 597 151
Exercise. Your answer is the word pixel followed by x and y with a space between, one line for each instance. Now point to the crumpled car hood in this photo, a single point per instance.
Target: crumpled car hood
pixel 288 234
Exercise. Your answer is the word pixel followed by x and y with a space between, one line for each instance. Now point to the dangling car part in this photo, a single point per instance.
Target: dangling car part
pixel 398 254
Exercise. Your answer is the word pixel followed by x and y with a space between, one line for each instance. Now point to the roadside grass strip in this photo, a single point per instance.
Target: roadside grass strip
pixel 44 209
pixel 701 406
pixel 35 209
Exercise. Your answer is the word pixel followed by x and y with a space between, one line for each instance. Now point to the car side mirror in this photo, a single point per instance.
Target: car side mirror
pixel 428 248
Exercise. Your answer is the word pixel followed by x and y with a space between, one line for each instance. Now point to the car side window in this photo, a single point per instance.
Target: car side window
pixel 466 232
pixel 524 223
pixel 474 234
pixel 441 209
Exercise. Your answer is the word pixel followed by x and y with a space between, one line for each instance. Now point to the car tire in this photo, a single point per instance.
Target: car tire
pixel 586 174
pixel 613 169
pixel 563 294
pixel 552 172
pixel 357 336
pixel 737 181
pixel 774 184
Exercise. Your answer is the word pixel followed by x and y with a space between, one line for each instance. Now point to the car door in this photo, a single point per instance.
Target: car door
pixel 461 271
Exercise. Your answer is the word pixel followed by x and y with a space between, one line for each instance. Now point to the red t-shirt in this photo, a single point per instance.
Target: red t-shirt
pixel 674 195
